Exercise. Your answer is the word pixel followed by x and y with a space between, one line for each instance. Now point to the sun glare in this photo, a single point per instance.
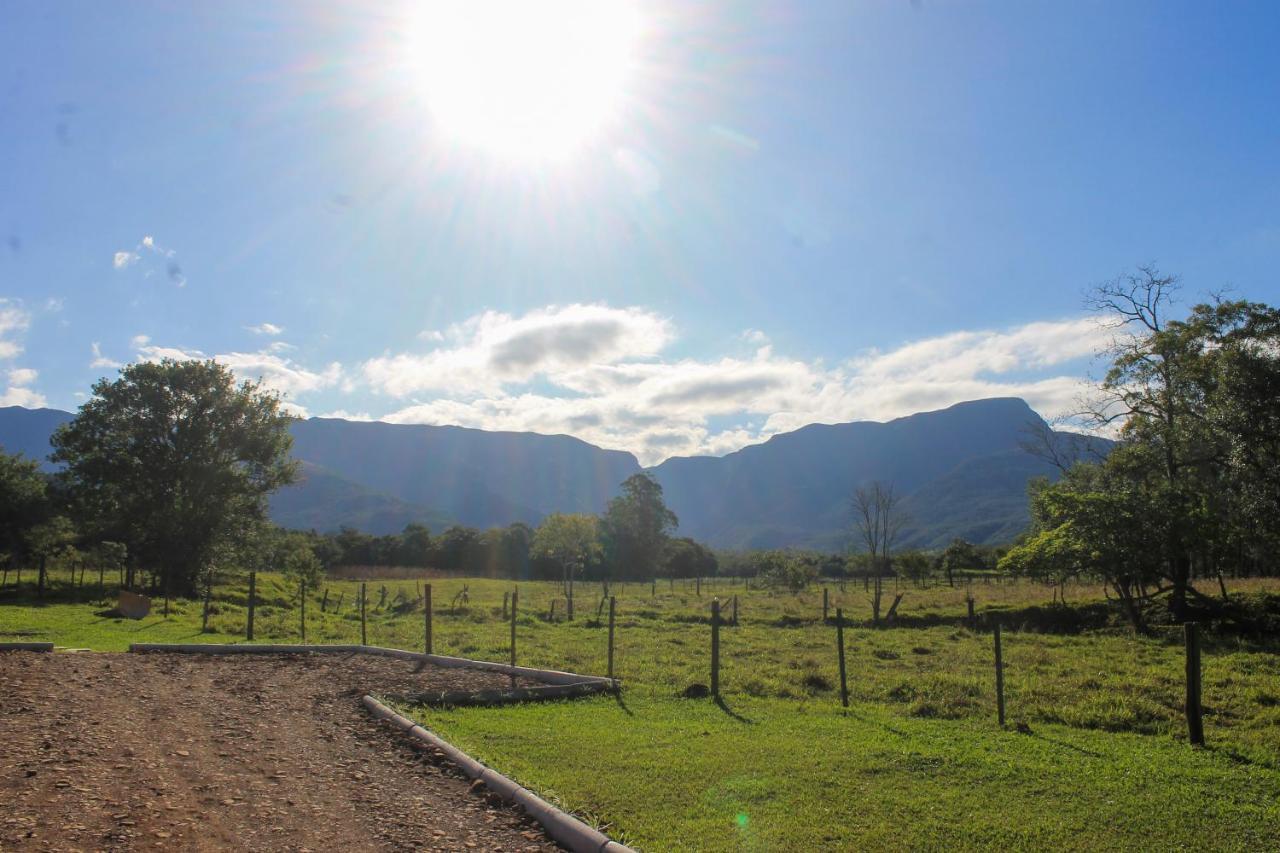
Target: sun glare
pixel 523 78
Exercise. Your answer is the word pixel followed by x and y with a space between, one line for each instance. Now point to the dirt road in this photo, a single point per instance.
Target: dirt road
pixel 188 752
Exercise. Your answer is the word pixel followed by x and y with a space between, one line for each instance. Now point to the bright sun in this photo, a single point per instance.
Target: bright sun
pixel 531 79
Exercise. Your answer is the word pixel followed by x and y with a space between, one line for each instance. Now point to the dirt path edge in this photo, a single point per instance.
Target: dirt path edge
pixel 563 827
pixel 551 676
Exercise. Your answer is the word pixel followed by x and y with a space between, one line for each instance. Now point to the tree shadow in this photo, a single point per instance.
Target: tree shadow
pixel 724 706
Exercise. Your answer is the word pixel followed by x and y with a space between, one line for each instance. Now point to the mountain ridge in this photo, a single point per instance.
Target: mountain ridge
pixel 959 470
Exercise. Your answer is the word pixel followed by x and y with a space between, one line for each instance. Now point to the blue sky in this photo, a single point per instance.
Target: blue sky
pixel 793 212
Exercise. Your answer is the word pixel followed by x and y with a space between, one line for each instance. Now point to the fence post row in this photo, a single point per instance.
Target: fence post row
pixel 715 648
pixel 612 605
pixel 999 677
pixel 515 596
pixel 844 683
pixel 1195 722
pixel 253 589
pixel 426 618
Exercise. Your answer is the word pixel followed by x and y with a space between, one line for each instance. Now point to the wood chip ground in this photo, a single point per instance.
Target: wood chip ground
pixel 190 752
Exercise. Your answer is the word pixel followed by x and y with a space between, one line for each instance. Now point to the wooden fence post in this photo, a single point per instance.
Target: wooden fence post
pixel 364 635
pixel 1195 723
pixel 426 619
pixel 514 598
pixel 253 590
pixel 612 604
pixel 715 648
pixel 826 603
pixel 324 602
pixel 302 598
pixel 999 677
pixel 735 610
pixel 844 683
pixel 972 621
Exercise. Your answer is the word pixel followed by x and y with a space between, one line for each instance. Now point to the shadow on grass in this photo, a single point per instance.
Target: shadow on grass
pixel 617 696
pixel 1065 745
pixel 724 706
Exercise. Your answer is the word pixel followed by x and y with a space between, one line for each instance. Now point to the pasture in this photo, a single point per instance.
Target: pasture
pixel 1095 753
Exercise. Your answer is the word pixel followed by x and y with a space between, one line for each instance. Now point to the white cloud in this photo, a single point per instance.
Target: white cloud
pixel 273 371
pixel 346 416
pixel 14 320
pixel 493 350
pixel 266 329
pixel 22 376
pixel 100 360
pixel 162 260
pixel 606 384
pixel 139 341
pixel 19 396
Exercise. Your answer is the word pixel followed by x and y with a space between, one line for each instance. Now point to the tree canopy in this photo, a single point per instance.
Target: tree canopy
pixel 637 527
pixel 175 460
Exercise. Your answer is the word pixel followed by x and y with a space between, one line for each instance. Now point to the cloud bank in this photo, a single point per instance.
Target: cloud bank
pixel 597 373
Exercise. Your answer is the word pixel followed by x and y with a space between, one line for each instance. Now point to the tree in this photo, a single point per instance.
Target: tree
pixel 1197 397
pixel 175 459
pixel 960 556
pixel 24 503
pixel 878 518
pixel 689 559
pixel 637 526
pixel 48 540
pixel 572 540
pixel 303 566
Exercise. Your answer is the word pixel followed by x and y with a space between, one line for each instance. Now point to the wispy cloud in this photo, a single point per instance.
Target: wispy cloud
pixel 274 371
pixel 160 260
pixel 14 320
pixel 270 329
pixel 101 361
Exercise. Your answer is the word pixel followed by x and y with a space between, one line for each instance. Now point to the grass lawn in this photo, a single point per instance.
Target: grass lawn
pixel 917 762
pixel 670 774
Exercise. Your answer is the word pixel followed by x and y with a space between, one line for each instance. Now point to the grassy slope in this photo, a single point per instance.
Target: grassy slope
pixel 918 762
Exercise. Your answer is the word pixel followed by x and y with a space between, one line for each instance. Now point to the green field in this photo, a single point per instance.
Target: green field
pixel 917 762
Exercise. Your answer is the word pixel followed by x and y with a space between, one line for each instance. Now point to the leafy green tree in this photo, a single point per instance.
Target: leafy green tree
pixel 176 459
pixel 303 566
pixel 571 540
pixel 689 559
pixel 48 540
pixel 637 527
pixel 960 556
pixel 24 503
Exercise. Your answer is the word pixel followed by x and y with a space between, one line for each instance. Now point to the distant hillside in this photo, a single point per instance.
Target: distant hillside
pixel 960 471
pixel 321 500
pixel 477 477
pixel 27 431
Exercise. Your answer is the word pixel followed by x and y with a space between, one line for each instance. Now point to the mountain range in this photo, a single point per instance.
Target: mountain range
pixel 961 472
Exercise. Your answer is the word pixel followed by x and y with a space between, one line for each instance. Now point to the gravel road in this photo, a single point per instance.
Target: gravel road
pixel 190 752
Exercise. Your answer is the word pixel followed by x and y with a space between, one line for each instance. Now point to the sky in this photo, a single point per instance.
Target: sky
pixel 667 228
